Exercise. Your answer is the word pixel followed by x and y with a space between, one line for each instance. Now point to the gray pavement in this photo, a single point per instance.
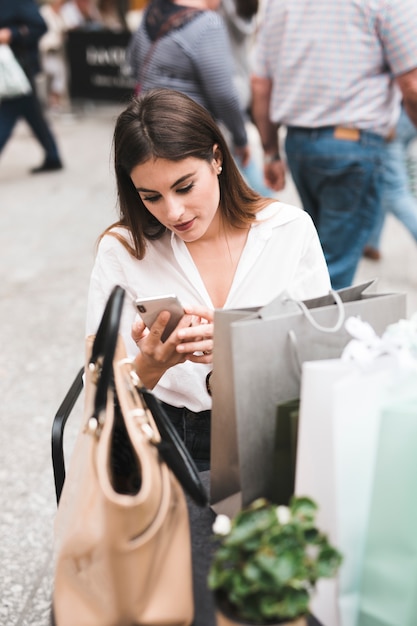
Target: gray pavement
pixel 49 226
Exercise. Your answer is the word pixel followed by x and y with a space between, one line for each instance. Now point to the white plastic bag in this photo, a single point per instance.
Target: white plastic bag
pixel 13 80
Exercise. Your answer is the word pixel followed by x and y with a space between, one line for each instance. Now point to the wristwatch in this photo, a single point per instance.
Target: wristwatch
pixel 271 158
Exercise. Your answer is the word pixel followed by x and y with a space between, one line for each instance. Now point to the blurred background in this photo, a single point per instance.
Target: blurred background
pixel 49 228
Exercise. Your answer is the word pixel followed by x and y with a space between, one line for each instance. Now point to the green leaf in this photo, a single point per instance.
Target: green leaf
pixel 251 572
pixel 303 507
pixel 281 570
pixel 329 560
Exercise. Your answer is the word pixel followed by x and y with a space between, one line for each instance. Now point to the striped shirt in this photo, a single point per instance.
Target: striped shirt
pixel 196 60
pixel 333 62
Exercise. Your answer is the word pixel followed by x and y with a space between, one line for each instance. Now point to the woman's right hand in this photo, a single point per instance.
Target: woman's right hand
pixel 156 357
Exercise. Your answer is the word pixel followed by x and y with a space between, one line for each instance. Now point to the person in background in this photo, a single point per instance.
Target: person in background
pixel 184 45
pixel 52 48
pixel 135 13
pixel 332 73
pixel 240 17
pixel 21 27
pixel 80 13
pixel 190 225
pixel 397 197
pixel 113 14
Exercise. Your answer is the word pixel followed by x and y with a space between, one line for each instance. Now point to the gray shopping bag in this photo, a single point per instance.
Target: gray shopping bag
pixel 257 361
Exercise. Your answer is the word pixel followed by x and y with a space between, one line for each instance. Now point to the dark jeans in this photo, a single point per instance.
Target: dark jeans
pixel 28 108
pixel 340 185
pixel 194 430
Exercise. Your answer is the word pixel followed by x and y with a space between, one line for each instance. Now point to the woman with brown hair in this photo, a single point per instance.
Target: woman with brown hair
pixel 190 225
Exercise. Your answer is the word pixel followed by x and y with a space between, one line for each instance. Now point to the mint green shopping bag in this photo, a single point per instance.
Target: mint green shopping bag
pixel 388 594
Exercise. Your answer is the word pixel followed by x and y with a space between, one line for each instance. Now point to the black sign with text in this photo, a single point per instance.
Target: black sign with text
pixel 96 61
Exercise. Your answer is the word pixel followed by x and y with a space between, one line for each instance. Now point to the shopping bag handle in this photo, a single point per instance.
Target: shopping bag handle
pixel 324 329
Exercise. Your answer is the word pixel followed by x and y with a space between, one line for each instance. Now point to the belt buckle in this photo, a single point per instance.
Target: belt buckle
pixel 347 134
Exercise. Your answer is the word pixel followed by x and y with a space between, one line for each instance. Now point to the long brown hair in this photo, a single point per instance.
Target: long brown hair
pixel 166 124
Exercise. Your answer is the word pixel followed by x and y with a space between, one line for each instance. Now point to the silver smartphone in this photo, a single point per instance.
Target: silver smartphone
pixel 149 309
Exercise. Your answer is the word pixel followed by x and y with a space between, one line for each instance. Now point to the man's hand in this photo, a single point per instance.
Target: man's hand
pixel 274 173
pixel 408 85
pixel 5 35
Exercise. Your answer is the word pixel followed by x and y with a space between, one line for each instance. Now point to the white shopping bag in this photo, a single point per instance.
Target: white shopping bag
pixel 338 436
pixel 13 80
pixel 341 404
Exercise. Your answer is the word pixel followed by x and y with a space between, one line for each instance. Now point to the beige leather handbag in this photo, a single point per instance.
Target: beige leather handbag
pixel 122 537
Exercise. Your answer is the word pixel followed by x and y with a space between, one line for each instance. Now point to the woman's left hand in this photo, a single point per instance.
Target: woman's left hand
pixel 197 339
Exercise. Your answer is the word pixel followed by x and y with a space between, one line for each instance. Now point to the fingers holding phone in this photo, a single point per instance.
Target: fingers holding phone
pixel 194 318
pixel 197 340
pixel 172 335
pixel 155 357
pixel 150 308
pixel 139 330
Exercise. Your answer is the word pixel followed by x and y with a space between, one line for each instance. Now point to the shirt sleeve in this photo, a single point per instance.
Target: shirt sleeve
pixel 312 276
pixel 213 63
pixel 29 26
pixel 107 273
pixel 397 29
pixel 260 65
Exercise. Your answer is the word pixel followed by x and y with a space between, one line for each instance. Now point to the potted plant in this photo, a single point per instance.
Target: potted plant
pixel 267 561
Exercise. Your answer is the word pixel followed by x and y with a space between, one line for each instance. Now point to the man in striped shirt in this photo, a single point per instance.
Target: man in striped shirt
pixel 333 72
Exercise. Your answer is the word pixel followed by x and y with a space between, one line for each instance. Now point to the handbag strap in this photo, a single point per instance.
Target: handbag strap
pixel 104 347
pixel 173 451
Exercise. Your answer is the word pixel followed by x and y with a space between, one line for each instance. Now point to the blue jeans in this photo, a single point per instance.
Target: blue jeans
pixel 254 175
pixel 397 197
pixel 28 108
pixel 339 182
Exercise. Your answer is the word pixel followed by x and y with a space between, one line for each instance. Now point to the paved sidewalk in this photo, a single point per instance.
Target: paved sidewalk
pixel 49 225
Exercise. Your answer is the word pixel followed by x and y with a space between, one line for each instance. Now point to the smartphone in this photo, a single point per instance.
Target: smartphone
pixel 149 309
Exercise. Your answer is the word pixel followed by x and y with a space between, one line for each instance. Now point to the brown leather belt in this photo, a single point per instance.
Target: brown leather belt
pixel 348 134
pixel 354 134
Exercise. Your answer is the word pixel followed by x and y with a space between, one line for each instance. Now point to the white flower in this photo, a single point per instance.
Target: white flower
pixel 222 525
pixel 283 514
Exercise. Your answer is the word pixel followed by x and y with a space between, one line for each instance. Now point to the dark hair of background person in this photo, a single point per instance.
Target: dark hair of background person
pixel 118 7
pixel 166 124
pixel 247 8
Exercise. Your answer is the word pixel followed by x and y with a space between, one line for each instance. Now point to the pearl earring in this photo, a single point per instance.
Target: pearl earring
pixel 219 171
